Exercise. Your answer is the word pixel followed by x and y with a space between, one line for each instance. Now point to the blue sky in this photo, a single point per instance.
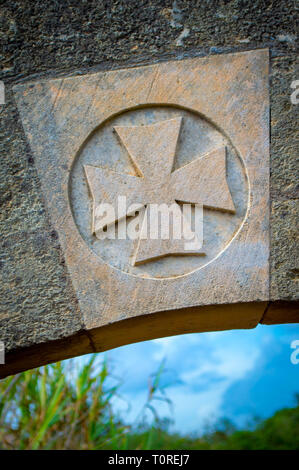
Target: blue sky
pixel 234 374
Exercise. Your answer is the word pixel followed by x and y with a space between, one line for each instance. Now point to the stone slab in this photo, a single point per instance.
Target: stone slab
pixel 124 35
pixel 224 101
pixel 132 330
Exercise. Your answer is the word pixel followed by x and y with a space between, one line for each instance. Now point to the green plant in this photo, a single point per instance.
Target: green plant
pixel 68 406
pixel 55 408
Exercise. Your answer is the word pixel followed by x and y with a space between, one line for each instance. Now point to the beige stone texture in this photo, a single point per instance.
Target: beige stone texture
pixel 195 130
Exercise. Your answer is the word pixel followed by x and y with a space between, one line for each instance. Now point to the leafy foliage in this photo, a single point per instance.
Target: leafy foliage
pixel 55 407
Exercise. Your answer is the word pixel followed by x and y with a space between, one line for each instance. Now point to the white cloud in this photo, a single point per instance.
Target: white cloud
pixel 200 369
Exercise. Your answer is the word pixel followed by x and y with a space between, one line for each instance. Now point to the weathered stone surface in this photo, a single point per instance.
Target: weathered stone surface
pixel 154 149
pixel 44 39
pixel 37 300
pixel 140 328
pixel 230 92
pixel 280 311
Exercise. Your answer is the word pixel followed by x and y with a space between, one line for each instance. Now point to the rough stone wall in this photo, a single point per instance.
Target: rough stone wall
pixel 51 38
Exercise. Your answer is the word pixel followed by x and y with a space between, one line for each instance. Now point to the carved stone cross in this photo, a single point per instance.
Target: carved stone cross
pixel 196 131
pixel 152 150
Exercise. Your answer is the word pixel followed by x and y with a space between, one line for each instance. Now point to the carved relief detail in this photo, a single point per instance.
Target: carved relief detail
pixel 152 150
pixel 165 157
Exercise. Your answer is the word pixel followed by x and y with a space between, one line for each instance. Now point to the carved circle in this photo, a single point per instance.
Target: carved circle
pixel 197 137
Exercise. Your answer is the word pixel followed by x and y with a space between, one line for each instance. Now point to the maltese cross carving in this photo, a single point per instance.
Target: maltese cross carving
pixel 152 149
